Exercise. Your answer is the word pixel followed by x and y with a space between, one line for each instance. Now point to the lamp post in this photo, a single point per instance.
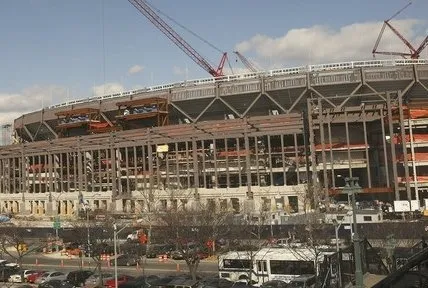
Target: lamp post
pixel 115 233
pixel 351 188
pixel 337 226
pixel 88 226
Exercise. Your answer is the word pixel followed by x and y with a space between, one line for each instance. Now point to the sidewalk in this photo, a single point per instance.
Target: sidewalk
pixel 60 255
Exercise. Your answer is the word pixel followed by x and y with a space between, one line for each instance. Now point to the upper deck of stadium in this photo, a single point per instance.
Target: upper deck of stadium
pixel 277 91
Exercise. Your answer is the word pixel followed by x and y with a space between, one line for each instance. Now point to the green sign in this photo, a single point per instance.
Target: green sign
pixel 57 223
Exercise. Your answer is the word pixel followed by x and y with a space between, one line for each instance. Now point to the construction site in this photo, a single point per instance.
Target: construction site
pixel 248 143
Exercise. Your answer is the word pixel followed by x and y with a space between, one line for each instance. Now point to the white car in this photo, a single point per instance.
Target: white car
pixel 53 275
pixel 5 263
pixel 17 278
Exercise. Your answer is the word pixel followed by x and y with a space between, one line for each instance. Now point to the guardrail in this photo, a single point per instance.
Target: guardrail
pixel 270 73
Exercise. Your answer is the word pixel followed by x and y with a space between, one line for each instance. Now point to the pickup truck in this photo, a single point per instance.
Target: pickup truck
pixel 136 236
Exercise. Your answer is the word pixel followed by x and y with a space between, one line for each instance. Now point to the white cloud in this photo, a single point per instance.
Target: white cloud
pixel 179 71
pixel 14 105
pixel 321 44
pixel 135 69
pixel 107 88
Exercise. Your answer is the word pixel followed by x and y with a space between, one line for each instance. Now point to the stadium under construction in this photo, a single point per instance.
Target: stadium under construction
pixel 245 143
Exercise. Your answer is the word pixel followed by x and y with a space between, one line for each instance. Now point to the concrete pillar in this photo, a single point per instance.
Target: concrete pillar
pixel 44 208
pixel 72 207
pixel 23 208
pixel 104 204
pixel 48 209
pixel 248 205
pixel 118 205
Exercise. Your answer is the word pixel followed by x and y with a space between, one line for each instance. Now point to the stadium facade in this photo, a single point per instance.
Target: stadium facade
pixel 236 143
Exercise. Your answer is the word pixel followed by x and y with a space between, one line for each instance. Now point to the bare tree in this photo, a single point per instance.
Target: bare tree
pixel 191 229
pixel 100 235
pixel 14 244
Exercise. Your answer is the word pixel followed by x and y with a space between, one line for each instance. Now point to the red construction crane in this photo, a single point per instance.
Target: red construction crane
pixel 413 53
pixel 246 62
pixel 166 29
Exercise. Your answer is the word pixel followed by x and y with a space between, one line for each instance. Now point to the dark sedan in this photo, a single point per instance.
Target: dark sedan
pixel 126 260
pixel 51 284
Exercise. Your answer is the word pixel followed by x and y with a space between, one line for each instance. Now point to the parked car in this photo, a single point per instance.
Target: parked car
pixel 274 284
pixel 33 277
pixel 66 284
pixel 54 283
pixel 303 281
pixel 215 282
pixel 5 263
pixel 94 279
pixel 139 282
pixel 120 280
pixel 78 277
pixel 159 249
pixel 53 275
pixel 6 272
pixel 17 278
pixel 179 282
pixel 177 255
pixel 161 282
pixel 125 260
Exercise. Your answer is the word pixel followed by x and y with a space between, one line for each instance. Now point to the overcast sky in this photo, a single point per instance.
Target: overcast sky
pixel 53 50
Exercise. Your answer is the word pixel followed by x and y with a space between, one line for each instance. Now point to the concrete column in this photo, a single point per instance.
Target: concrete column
pixel 23 208
pixel 62 208
pixel 74 207
pixel 44 207
pixel 118 205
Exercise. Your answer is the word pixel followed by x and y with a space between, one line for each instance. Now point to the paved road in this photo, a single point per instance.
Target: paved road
pixel 149 266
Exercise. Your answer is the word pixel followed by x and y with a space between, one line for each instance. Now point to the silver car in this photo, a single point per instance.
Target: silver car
pixel 94 279
pixel 53 275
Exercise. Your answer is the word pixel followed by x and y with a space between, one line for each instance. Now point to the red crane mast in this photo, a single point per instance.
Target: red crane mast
pixel 166 29
pixel 413 53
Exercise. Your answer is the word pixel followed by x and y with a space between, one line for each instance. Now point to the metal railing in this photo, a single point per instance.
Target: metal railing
pixel 247 76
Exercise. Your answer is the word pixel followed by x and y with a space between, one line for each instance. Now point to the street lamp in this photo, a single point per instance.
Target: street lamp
pixel 87 224
pixel 351 188
pixel 115 233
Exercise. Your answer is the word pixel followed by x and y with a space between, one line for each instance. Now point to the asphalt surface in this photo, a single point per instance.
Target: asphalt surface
pixel 149 266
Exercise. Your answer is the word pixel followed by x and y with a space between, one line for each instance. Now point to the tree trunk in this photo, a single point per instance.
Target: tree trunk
pixel 192 265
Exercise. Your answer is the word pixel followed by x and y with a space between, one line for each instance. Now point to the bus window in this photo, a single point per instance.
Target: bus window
pixel 236 263
pixel 261 267
pixel 291 267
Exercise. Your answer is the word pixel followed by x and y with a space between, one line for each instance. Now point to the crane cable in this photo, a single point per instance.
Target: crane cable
pixel 185 28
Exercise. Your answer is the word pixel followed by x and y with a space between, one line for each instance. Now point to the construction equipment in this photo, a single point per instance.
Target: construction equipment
pixel 414 53
pixel 166 29
pixel 250 66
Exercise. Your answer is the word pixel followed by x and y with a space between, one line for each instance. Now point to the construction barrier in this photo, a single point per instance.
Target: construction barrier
pixel 106 257
pixel 163 258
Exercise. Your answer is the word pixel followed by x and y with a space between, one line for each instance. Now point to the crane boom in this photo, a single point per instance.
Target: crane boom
pixel 414 53
pixel 423 45
pixel 399 11
pixel 407 43
pixel 151 15
pixel 246 62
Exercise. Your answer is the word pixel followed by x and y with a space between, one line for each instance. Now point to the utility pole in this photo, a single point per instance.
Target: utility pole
pixel 351 188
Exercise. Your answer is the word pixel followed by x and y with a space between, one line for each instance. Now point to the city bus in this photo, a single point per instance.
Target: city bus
pixel 269 263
